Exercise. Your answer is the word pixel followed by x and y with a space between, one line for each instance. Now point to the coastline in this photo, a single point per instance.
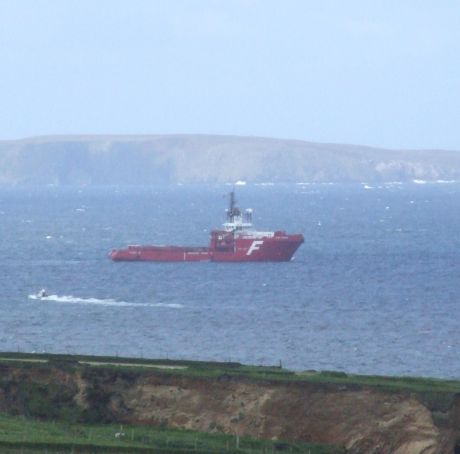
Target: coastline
pixel 353 412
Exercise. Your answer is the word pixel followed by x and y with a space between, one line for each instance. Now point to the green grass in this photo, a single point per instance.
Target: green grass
pixel 18 434
pixel 218 369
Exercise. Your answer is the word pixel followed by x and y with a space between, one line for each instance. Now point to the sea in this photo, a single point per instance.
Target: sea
pixel 375 288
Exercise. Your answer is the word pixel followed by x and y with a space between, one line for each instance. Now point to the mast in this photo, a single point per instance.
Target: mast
pixel 231 205
pixel 232 210
pixel 235 221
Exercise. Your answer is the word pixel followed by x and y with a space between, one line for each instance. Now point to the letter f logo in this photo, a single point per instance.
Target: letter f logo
pixel 255 246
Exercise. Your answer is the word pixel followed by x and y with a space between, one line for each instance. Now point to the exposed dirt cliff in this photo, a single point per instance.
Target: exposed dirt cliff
pixel 363 419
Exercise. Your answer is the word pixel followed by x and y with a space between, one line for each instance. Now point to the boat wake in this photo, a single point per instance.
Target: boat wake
pixel 69 299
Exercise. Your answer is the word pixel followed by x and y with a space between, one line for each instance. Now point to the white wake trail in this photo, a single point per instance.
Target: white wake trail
pixel 69 299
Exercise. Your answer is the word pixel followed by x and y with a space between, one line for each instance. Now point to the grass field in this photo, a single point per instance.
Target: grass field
pixel 18 434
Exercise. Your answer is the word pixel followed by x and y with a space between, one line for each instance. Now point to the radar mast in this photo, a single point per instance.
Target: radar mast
pixel 235 221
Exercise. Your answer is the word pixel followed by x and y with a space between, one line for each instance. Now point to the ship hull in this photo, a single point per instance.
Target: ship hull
pixel 273 249
pixel 160 254
pixel 277 248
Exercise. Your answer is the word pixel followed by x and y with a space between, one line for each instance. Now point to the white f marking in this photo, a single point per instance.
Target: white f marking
pixel 255 246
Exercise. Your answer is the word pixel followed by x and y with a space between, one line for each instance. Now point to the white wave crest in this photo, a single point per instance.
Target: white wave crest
pixel 69 299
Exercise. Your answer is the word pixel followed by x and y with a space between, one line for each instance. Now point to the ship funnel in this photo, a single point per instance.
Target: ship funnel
pixel 248 214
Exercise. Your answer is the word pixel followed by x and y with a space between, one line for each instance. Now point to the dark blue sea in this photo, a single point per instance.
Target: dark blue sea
pixel 374 289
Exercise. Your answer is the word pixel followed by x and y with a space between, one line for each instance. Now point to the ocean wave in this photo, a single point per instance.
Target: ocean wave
pixel 434 181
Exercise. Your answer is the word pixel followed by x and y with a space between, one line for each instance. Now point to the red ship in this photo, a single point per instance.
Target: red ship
pixel 237 241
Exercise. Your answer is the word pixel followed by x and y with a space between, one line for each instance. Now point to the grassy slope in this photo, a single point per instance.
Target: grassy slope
pixel 216 369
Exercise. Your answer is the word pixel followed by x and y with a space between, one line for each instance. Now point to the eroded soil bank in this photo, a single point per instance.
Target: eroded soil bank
pixel 382 416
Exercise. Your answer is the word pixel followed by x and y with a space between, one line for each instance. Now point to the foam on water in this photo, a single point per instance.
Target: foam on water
pixel 69 299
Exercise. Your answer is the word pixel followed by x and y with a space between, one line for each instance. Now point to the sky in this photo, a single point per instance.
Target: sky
pixel 384 73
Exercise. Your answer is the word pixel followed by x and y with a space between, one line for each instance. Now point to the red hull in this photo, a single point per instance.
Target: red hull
pixel 161 254
pixel 224 247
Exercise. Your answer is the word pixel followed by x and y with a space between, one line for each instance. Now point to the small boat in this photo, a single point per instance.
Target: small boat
pixel 42 294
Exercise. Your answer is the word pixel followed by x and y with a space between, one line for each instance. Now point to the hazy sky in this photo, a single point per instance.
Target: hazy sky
pixel 375 72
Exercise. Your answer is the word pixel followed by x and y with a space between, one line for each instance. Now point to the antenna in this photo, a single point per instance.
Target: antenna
pixel 232 203
pixel 232 210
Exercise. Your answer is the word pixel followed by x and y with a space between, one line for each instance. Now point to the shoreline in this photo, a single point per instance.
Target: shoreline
pixel 354 412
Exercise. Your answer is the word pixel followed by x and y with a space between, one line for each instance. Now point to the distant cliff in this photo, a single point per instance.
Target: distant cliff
pixel 107 160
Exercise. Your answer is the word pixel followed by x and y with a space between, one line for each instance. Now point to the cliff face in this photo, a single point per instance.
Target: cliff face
pixel 359 418
pixel 110 160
